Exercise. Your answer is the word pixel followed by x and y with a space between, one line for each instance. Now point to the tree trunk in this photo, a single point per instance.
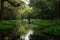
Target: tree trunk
pixel 57 9
pixel 2 10
pixel 28 20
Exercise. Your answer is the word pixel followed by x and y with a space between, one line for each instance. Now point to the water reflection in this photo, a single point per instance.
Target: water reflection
pixel 27 37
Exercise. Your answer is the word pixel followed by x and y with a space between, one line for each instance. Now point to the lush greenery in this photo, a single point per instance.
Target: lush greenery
pixel 7 25
pixel 47 26
pixel 46 29
pixel 42 16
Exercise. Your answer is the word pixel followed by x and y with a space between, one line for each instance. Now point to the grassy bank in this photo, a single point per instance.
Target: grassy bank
pixel 7 25
pixel 47 26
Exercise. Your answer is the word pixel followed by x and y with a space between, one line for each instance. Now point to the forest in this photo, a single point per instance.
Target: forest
pixel 20 17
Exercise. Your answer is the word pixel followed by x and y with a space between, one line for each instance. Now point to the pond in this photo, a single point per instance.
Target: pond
pixel 27 36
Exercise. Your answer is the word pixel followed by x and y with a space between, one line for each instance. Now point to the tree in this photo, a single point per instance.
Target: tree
pixel 48 10
pixel 2 7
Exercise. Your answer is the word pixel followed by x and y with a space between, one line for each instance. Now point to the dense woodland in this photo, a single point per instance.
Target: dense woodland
pixel 45 9
pixel 44 13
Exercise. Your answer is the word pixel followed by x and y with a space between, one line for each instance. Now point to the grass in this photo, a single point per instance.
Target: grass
pixel 47 26
pixel 7 25
pixel 47 22
pixel 13 25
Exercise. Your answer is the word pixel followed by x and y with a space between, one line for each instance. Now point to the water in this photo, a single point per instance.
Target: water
pixel 27 36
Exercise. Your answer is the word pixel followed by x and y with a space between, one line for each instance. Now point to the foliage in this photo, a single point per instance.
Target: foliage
pixel 12 13
pixel 47 7
pixel 46 28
